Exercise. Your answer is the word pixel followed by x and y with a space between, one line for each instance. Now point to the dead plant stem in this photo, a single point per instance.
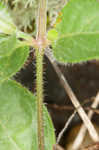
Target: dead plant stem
pixel 81 134
pixel 65 127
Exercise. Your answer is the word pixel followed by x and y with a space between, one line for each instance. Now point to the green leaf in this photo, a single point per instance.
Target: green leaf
pixel 7 45
pixel 11 64
pixel 78 30
pixel 18 119
pixel 52 35
pixel 6 23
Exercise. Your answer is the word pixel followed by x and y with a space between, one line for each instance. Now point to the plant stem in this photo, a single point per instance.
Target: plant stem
pixel 41 44
pixel 39 86
pixel 41 22
pixel 81 134
pixel 65 127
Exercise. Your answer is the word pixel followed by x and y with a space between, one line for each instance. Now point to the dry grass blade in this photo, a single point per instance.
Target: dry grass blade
pixel 79 138
pixel 65 127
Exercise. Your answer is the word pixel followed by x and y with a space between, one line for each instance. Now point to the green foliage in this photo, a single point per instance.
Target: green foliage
pixel 11 64
pixel 18 119
pixel 18 107
pixel 52 35
pixel 78 30
pixel 6 46
pixel 74 39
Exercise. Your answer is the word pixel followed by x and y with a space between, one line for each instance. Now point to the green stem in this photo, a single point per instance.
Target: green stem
pixel 41 28
pixel 41 44
pixel 39 86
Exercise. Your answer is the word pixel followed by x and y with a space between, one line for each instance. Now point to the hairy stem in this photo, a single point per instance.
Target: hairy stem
pixel 39 86
pixel 41 42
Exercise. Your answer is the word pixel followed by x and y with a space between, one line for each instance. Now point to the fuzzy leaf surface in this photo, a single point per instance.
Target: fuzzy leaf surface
pixel 18 119
pixel 12 63
pixel 6 23
pixel 78 32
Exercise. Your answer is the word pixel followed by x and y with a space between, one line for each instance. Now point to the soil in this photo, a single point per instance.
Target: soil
pixel 83 78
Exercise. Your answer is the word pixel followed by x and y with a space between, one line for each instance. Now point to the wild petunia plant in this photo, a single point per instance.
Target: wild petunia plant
pixel 24 121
